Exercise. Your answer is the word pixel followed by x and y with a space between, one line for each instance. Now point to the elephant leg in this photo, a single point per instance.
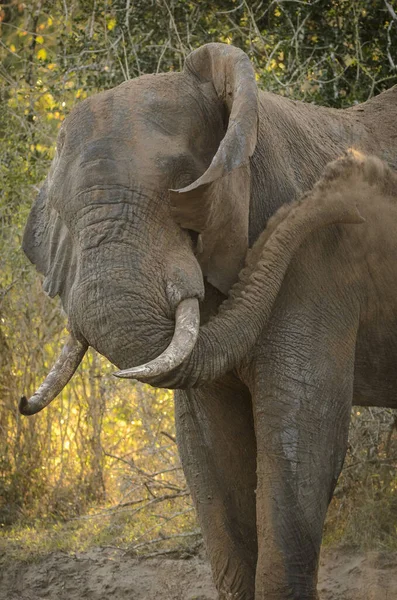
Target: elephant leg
pixel 216 440
pixel 302 418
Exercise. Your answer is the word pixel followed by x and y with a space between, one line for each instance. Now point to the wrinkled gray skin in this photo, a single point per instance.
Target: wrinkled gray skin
pixel 263 435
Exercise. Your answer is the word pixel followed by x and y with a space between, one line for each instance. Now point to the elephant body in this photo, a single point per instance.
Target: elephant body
pixel 330 342
pixel 192 186
pixel 358 340
pixel 296 140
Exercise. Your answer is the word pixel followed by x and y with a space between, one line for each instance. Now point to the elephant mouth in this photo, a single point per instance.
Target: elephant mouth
pixel 187 324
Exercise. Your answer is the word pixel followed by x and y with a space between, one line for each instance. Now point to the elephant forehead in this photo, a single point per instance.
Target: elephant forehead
pixel 119 108
pixel 154 132
pixel 139 111
pixel 164 114
pixel 99 117
pixel 106 148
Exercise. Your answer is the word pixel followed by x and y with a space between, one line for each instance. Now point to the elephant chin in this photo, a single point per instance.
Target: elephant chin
pixel 187 325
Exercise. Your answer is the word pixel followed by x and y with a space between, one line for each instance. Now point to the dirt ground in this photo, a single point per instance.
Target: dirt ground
pixel 106 573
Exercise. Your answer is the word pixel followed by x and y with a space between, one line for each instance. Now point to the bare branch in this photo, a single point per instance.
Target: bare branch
pixel 391 10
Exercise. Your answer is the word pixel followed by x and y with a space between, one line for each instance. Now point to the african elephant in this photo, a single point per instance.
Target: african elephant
pixel 158 189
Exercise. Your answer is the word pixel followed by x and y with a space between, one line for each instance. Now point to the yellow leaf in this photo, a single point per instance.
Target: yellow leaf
pixel 111 24
pixel 42 54
pixel 46 102
pixel 49 21
pixel 40 39
pixel 12 48
pixel 225 39
pixel 51 66
pixel 272 65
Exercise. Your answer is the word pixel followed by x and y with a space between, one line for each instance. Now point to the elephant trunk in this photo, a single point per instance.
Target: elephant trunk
pixel 226 339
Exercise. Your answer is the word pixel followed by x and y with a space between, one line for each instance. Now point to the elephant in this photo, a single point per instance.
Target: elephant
pixel 199 241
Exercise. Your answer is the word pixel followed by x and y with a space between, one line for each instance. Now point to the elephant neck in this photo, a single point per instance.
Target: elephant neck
pixel 297 140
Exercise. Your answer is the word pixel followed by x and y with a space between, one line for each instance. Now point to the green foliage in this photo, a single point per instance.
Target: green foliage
pixel 363 511
pixel 100 445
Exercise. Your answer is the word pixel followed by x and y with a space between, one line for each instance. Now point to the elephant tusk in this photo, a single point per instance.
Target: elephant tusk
pixel 62 371
pixel 187 324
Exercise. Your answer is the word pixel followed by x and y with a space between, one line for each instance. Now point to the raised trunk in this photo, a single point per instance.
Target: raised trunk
pixel 227 338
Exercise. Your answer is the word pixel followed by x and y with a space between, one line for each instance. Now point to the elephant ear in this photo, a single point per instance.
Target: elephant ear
pixel 49 246
pixel 216 205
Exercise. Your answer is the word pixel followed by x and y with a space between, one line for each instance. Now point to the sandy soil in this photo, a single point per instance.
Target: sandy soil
pixel 104 573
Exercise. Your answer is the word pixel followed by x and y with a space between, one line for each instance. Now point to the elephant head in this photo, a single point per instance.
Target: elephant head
pixel 147 194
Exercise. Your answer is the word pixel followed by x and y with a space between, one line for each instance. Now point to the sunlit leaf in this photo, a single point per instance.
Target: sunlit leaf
pixel 349 60
pixel 111 24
